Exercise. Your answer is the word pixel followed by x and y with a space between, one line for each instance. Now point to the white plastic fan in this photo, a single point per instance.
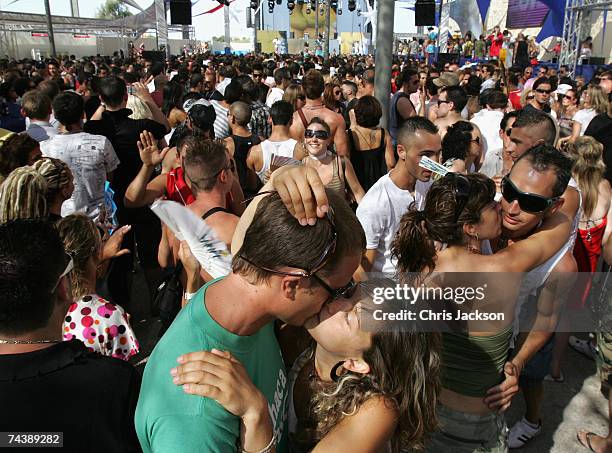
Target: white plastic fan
pixel 212 253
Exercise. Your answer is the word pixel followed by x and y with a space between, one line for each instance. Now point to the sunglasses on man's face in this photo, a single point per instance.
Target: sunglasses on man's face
pixel 541 91
pixel 528 202
pixel 321 135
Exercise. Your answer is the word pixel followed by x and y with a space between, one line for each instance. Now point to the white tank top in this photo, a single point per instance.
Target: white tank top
pixel 536 277
pixel 284 148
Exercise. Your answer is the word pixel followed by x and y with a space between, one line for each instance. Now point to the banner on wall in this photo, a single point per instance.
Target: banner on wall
pixel 301 23
pixel 526 13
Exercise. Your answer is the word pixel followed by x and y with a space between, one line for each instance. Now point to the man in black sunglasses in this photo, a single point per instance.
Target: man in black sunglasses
pixel 542 88
pixel 532 194
pixel 533 190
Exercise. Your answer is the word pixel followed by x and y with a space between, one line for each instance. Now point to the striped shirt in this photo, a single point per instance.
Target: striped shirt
pixel 221 125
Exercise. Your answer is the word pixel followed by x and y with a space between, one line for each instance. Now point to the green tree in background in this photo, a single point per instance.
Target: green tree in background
pixel 112 9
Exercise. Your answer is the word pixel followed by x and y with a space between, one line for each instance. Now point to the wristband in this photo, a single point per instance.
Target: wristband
pixel 188 296
pixel 267 449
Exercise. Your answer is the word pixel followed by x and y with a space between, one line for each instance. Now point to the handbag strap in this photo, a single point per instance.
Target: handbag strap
pixel 303 118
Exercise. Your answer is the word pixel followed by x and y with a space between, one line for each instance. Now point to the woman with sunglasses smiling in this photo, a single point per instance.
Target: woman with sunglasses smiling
pixel 461 213
pixel 336 172
pixel 566 111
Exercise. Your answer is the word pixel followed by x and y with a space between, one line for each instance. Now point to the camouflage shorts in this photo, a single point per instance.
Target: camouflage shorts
pixel 604 361
pixel 461 432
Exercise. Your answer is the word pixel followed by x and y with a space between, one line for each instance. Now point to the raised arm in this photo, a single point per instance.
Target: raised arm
pixel 302 192
pixel 141 191
pixel 143 93
pixel 522 256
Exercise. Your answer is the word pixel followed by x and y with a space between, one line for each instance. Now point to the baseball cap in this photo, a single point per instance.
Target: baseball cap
pixel 564 88
pixel 447 79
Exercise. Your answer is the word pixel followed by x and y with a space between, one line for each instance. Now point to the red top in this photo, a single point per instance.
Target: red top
pixel 496 44
pixel 587 251
pixel 177 189
pixel 515 99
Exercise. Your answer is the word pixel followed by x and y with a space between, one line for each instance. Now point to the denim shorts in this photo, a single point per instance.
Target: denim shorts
pixel 539 366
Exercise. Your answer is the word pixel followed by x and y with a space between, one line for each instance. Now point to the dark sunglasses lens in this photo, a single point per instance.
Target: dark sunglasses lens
pixel 527 202
pixel 321 135
pixel 348 291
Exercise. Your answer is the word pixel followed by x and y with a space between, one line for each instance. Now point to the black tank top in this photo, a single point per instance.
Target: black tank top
pixel 369 164
pixel 242 145
pixel 214 210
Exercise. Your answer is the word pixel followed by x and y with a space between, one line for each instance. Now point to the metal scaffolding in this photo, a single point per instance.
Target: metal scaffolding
pixel 131 27
pixel 576 26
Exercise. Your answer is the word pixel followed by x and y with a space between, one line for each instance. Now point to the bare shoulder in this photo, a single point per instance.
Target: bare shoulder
pixel 378 411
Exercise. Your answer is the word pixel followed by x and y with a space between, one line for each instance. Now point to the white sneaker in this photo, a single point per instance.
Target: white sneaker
pixel 584 347
pixel 522 432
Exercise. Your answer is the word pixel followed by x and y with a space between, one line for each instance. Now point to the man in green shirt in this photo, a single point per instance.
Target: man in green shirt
pixel 282 270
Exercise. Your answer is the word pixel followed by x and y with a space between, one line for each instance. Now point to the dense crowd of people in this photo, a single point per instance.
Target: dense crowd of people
pixel 284 160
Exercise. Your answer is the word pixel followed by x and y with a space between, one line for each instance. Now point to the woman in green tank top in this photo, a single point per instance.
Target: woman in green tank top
pixel 461 213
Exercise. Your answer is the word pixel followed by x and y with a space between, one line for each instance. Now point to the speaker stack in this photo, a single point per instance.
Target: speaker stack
pixel 180 12
pixel 424 12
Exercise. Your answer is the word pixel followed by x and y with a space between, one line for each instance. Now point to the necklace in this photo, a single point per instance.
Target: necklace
pixel 29 341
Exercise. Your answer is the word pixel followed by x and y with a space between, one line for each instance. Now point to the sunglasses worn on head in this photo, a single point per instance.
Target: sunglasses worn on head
pixel 529 202
pixel 345 291
pixel 321 135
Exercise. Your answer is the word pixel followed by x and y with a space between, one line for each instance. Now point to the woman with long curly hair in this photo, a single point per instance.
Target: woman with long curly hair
pixel 375 390
pixel 593 233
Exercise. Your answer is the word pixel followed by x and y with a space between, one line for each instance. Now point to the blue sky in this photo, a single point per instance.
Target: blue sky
pixel 206 26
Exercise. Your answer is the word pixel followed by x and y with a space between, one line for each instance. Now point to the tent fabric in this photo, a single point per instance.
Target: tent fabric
pixel 483 8
pixel 553 25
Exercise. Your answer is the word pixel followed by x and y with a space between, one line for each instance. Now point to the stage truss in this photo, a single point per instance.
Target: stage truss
pixel 132 27
pixel 576 26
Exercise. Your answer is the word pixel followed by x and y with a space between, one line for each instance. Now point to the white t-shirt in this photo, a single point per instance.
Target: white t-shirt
pixel 90 157
pixel 488 122
pixel 584 117
pixel 274 95
pixel 268 147
pixel 380 213
pixel 489 83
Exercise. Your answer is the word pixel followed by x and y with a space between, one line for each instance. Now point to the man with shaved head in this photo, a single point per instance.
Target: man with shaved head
pixel 241 139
